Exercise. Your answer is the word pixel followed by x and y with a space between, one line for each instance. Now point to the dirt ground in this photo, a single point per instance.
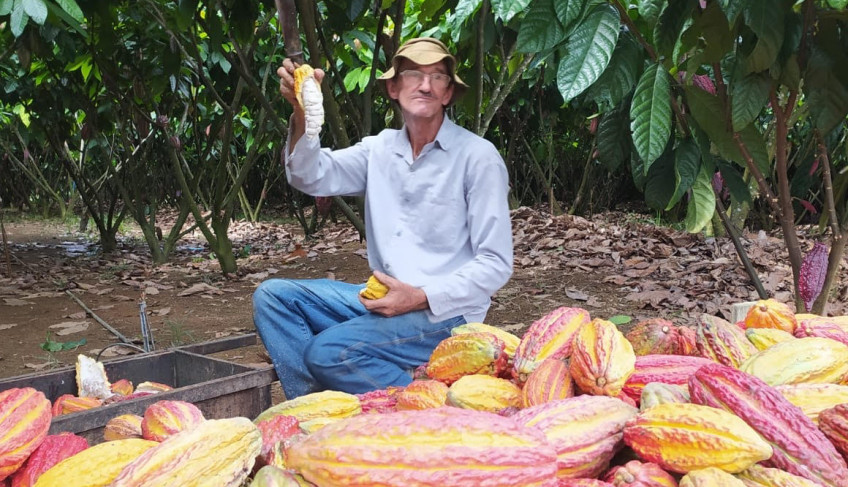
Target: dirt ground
pixel 51 262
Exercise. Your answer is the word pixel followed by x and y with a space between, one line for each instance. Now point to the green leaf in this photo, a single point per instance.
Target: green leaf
pixel 6 6
pixel 649 10
pixel 732 8
pixel 462 12
pixel 749 95
pixel 670 25
pixel 837 4
pixel 540 30
pixel 71 21
pixel 687 164
pixel 355 8
pixel 766 21
pixel 713 28
pixel 826 90
pixel 613 138
pixel 589 48
pixel 36 9
pixel 650 114
pixel 620 320
pixel 637 170
pixel 351 79
pixel 505 10
pixel 568 12
pixel 72 9
pixel 618 80
pixel 734 182
pixel 701 203
pixel 18 20
pixel 659 185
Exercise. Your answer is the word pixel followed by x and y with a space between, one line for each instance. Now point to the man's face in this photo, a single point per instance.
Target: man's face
pixel 421 90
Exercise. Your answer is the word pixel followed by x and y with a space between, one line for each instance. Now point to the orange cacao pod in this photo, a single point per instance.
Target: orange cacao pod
pixel 422 394
pixel 710 477
pixel 759 476
pixel 165 418
pixel 443 446
pixel 834 424
pixel 686 437
pixel 483 393
pixel 769 313
pixel 550 380
pixel 602 359
pixel 68 403
pixel 466 354
pixel 639 474
pixel 548 337
pixel 655 335
pixel 799 447
pixel 24 421
pixel 585 431
pixel 123 427
pixel 52 450
pixel 122 387
pixel 667 369
pixel 723 342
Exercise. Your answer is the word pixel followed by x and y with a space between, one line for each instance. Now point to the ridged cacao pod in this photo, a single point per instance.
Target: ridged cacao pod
pixel 759 476
pixel 315 405
pixel 585 431
pixel 799 447
pixel 655 393
pixel 374 289
pixel 123 427
pixel 510 341
pixel 667 369
pixel 639 474
pixel 811 360
pixel 687 341
pixel 163 419
pixel 686 437
pixel 812 274
pixel 549 381
pixel 710 477
pixel 769 313
pixel 655 335
pixel 274 430
pixel 763 338
pixel 422 394
pixel 583 483
pixel 313 425
pixel 96 466
pixel 550 336
pixel 52 450
pixel 122 387
pixel 431 447
pixel 379 401
pixel 24 420
pixel 602 359
pixel 483 393
pixel 68 403
pixel 467 354
pixel 271 476
pixel 217 452
pixel 823 328
pixel 814 398
pixel 723 342
pixel 834 424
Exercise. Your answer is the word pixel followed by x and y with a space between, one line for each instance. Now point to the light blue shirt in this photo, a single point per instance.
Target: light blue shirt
pixel 440 222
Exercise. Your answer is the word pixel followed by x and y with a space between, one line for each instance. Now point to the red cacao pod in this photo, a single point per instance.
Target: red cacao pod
pixel 274 430
pixel 812 275
pixel 52 450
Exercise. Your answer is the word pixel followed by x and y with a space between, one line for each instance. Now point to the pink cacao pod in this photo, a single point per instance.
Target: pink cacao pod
pixel 813 273
pixel 639 474
pixel 165 418
pixel 52 450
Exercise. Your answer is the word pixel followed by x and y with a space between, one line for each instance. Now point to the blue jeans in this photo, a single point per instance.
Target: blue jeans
pixel 319 336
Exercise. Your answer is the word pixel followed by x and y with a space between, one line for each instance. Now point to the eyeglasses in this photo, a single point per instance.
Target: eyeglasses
pixel 437 80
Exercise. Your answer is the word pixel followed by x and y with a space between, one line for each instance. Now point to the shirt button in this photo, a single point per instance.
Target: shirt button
pixel 398 234
pixel 387 266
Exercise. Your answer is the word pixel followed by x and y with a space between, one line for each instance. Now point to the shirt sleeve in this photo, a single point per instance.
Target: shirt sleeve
pixel 322 172
pixel 490 232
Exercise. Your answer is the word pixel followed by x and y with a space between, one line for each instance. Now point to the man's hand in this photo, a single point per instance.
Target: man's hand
pixel 401 298
pixel 286 74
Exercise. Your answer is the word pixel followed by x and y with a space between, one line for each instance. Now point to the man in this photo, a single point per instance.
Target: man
pixel 437 228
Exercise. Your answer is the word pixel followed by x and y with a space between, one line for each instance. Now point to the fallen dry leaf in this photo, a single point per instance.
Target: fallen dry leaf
pixel 16 302
pixel 200 287
pixel 69 327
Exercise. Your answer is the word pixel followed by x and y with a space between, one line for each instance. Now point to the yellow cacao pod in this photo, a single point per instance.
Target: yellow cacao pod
pixel 763 338
pixel 96 466
pixel 165 418
pixel 803 360
pixel 814 398
pixel 215 453
pixel 374 289
pixel 422 394
pixel 759 476
pixel 467 354
pixel 510 341
pixel 602 358
pixel 687 437
pixel 483 393
pixel 710 477
pixel 324 404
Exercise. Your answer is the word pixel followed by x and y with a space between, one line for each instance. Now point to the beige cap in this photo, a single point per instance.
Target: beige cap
pixel 424 51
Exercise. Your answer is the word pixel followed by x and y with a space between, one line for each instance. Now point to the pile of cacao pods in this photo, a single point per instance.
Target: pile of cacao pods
pixel 573 402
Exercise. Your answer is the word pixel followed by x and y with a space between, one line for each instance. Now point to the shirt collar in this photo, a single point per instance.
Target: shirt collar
pixel 443 140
